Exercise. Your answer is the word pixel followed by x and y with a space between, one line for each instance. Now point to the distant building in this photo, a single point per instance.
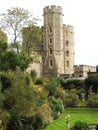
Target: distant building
pixel 82 70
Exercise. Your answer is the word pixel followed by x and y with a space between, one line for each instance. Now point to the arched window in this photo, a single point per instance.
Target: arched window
pixel 67 53
pixel 50 50
pixel 67 64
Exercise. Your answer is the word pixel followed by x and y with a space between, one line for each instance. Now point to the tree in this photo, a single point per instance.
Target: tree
pixel 19 100
pixel 32 38
pixel 51 87
pixel 91 84
pixel 9 60
pixel 3 46
pixel 14 20
pixel 3 36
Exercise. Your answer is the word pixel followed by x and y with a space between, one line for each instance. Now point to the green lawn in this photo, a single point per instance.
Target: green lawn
pixel 89 115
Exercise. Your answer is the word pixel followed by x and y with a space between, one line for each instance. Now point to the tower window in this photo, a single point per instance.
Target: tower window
pixel 50 29
pixel 50 51
pixel 67 64
pixel 67 43
pixel 67 53
pixel 50 40
pixel 50 63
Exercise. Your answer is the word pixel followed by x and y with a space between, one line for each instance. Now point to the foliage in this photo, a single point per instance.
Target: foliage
pixel 33 74
pixel 70 98
pixel 74 83
pixel 10 60
pixel 25 60
pixel 1 96
pixel 56 106
pixel 15 19
pixel 3 46
pixel 51 87
pixel 32 37
pixel 27 80
pixel 91 84
pixel 46 114
pixel 38 81
pixel 80 125
pixel 93 100
pixel 5 81
pixel 3 36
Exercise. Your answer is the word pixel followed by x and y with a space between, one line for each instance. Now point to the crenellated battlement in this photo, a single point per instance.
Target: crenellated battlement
pixel 52 9
pixel 68 28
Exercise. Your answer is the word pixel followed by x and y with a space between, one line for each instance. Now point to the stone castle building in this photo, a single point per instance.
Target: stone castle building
pixel 58 43
pixel 83 70
pixel 57 56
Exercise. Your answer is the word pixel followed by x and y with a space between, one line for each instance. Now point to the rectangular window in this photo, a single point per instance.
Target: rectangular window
pixel 50 40
pixel 50 63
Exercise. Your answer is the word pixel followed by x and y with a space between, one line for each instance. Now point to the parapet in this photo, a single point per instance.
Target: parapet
pixel 68 28
pixel 52 9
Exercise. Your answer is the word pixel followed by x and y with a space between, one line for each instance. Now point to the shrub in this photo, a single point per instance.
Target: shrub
pixel 56 106
pixel 27 80
pixel 38 81
pixel 33 74
pixel 70 98
pixel 5 81
pixel 79 125
pixel 51 87
pixel 93 100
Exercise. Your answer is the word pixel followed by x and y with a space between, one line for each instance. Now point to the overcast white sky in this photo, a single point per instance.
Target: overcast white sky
pixel 81 14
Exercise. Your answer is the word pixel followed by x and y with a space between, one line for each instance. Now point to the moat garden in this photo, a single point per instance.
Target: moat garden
pixel 89 115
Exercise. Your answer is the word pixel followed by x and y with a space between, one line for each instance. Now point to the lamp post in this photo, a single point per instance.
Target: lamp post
pixel 67 122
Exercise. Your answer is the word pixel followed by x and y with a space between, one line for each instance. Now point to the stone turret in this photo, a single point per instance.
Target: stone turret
pixel 58 43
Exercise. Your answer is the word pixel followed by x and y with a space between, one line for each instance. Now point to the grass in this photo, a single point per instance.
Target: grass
pixel 89 115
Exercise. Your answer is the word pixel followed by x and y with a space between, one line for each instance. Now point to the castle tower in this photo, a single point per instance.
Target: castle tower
pixel 55 46
pixel 69 54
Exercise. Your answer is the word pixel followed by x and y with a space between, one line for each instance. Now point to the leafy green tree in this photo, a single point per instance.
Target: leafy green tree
pixel 3 47
pixel 5 81
pixel 19 100
pixel 91 84
pixel 3 36
pixel 9 60
pixel 51 87
pixel 32 39
pixel 74 83
pixel 14 20
pixel 1 96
